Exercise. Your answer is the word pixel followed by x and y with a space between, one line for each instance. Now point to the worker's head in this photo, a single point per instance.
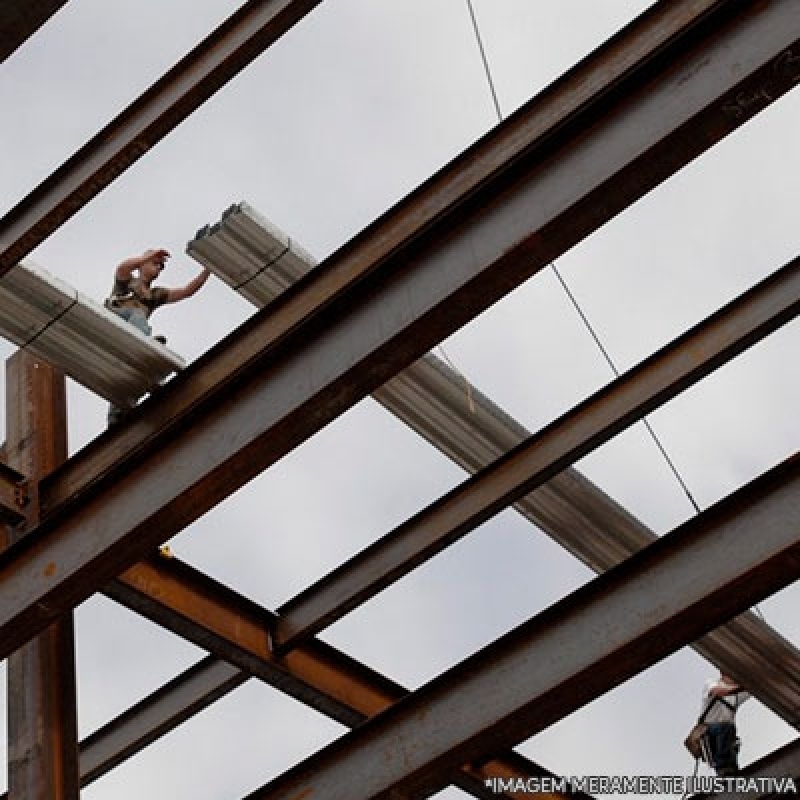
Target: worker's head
pixel 155 263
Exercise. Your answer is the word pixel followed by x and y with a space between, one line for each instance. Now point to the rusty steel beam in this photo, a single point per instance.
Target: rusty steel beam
pixel 13 495
pixel 42 712
pixel 160 712
pixel 638 109
pixel 429 397
pixel 680 364
pixel 446 204
pixel 232 627
pixel 685 584
pixel 183 89
pixel 154 716
pixel 20 19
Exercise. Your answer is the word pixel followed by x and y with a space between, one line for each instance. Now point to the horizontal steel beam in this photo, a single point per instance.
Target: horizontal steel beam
pixel 655 97
pixel 624 621
pixel 691 357
pixel 20 19
pixel 160 109
pixel 181 599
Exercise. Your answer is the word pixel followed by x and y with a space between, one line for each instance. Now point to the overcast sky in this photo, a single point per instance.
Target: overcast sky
pixel 332 125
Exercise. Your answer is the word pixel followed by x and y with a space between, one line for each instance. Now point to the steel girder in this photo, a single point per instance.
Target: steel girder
pixel 658 379
pixel 160 109
pixel 42 712
pixel 663 598
pixel 630 115
pixel 234 628
pixel 13 494
pixel 430 398
pixel 20 19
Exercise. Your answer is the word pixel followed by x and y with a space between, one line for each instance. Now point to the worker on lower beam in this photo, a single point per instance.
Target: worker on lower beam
pixel 134 298
pixel 721 700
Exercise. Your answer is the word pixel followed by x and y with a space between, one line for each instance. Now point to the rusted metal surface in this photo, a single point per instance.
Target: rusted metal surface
pixel 445 205
pixel 658 379
pixel 13 495
pixel 661 599
pixel 42 715
pixel 232 627
pixel 160 109
pixel 430 398
pixel 190 692
pixel 20 19
pixel 155 715
pixel 569 508
pixel 364 315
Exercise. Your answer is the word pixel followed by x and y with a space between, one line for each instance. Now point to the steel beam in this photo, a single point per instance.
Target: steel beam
pixel 376 305
pixel 20 19
pixel 13 495
pixel 177 701
pixel 464 424
pixel 624 621
pixel 42 715
pixel 181 599
pixel 160 109
pixel 430 398
pixel 683 362
pixel 154 716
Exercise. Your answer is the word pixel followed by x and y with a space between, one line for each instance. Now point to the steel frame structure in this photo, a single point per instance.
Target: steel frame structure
pixel 666 88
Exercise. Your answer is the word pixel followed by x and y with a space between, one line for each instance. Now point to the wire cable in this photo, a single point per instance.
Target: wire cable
pixel 486 69
pixel 616 372
pixel 488 72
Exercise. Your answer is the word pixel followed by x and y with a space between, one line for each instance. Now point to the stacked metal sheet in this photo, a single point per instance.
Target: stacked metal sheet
pixel 71 331
pixel 250 254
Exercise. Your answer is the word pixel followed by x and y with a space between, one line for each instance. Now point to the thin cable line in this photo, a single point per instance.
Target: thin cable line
pixel 616 372
pixel 486 69
pixel 576 305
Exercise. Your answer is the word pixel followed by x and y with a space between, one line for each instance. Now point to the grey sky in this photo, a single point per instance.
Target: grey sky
pixel 331 126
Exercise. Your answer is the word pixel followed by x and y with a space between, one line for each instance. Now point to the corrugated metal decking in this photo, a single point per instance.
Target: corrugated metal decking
pixel 92 345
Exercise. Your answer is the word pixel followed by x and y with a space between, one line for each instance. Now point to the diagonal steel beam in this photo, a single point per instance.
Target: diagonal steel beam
pixel 216 618
pixel 680 364
pixel 154 716
pixel 20 19
pixel 430 398
pixel 131 134
pixel 638 109
pixel 624 621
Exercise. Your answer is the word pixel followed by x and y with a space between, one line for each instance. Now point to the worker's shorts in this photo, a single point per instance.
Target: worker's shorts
pixel 135 317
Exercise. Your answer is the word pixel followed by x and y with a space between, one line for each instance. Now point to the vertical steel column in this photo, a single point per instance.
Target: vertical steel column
pixel 42 716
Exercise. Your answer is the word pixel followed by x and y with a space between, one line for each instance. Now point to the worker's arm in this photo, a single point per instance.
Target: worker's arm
pixel 194 285
pixel 126 268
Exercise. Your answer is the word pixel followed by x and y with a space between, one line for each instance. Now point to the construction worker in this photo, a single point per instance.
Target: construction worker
pixel 721 700
pixel 134 298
